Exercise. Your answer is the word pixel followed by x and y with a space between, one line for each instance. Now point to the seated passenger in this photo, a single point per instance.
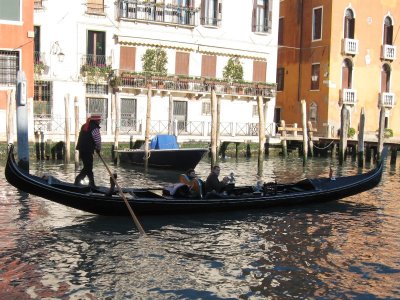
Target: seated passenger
pixel 215 187
pixel 195 184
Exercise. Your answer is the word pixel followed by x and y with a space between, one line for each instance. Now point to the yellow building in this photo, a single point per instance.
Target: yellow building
pixel 339 52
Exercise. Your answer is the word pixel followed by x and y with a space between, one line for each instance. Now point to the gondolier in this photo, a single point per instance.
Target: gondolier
pixel 89 141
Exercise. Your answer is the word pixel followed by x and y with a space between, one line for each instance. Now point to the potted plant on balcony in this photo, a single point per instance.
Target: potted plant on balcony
pixel 40 67
pixel 388 133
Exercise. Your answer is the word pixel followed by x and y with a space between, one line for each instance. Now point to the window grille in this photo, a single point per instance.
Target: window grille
pixel 96 89
pixel 206 108
pixel 9 66
pixel 42 97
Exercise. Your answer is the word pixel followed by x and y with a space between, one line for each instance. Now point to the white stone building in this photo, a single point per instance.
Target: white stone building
pixel 90 52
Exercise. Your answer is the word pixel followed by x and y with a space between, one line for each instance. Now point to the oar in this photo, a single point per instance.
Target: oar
pixel 135 219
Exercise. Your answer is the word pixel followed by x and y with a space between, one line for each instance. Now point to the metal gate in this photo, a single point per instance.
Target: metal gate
pixel 98 106
pixel 128 115
pixel 180 114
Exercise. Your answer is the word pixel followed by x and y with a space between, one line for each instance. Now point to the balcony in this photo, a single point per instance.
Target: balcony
pixel 349 46
pixel 194 85
pixel 388 100
pixel 388 52
pixel 157 12
pixel 349 97
pixel 96 68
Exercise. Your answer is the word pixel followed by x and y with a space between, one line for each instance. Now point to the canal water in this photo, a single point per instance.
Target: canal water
pixel 347 249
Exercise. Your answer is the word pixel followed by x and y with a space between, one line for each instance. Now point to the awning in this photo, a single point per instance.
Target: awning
pixel 141 41
pixel 245 53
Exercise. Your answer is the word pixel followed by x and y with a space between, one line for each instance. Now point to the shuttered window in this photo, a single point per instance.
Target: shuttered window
pixel 209 66
pixel 317 23
pixel 182 63
pixel 127 58
pixel 259 71
pixel 95 6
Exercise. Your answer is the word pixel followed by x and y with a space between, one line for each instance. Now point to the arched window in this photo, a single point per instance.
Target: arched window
pixel 347 74
pixel 349 23
pixel 385 78
pixel 388 31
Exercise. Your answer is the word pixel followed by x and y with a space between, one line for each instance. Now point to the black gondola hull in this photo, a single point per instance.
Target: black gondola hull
pixel 151 201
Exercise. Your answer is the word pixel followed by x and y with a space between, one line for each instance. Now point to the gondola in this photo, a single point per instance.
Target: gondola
pixel 154 201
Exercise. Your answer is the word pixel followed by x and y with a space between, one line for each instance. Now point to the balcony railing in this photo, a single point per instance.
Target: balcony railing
pixel 349 46
pixel 349 97
pixel 210 21
pixel 388 52
pixel 388 100
pixel 196 85
pixel 156 12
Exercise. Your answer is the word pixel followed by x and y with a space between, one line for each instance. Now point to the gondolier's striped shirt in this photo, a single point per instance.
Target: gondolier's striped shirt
pixel 97 138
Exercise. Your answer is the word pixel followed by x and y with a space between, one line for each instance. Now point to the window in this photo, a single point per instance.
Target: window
pixel 96 48
pixel 317 24
pixel 128 115
pixel 281 31
pixel 98 106
pixel 255 111
pixel 10 11
pixel 385 79
pixel 280 79
pixel 388 32
pixel 313 112
pixel 96 89
pixel 9 66
pixel 127 58
pixel 42 96
pixel 261 20
pixel 206 108
pixel 349 22
pixel 347 70
pixel 211 12
pixel 208 66
pixel 95 7
pixel 180 114
pixel 36 40
pixel 259 71
pixel 315 76
pixel 182 63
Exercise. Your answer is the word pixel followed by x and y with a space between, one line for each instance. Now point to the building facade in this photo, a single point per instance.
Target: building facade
pixel 103 56
pixel 339 52
pixel 16 48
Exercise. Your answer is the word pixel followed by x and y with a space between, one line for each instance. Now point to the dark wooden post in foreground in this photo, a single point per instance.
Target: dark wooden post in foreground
pixel 304 124
pixel 22 122
pixel 344 128
pixel 361 126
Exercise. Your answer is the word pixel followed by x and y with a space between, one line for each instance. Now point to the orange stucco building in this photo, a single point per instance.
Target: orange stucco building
pixel 339 52
pixel 16 50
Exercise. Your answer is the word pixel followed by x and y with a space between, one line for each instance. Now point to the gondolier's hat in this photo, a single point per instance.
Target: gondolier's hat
pixel 94 117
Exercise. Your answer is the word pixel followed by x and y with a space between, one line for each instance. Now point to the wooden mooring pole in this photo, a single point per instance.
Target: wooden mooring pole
pixel 67 130
pixel 213 128
pixel 304 124
pixel 360 152
pixel 381 131
pixel 261 135
pixel 76 112
pixel 283 138
pixel 344 128
pixel 147 130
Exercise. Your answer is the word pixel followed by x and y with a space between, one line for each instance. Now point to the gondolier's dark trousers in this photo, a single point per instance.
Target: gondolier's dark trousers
pixel 87 170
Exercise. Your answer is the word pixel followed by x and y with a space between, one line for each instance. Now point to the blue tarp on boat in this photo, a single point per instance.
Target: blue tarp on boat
pixel 164 141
